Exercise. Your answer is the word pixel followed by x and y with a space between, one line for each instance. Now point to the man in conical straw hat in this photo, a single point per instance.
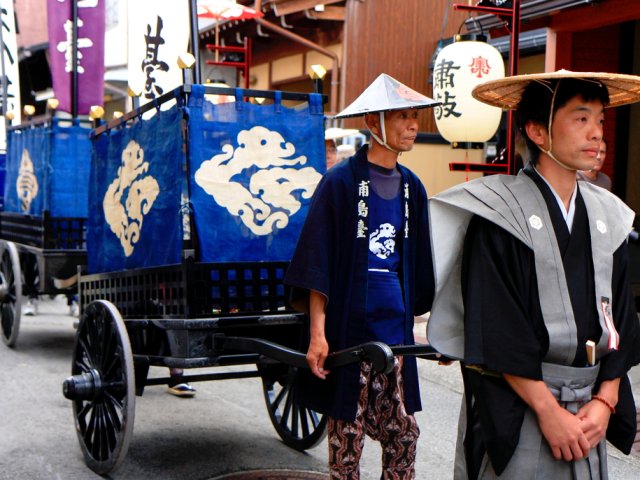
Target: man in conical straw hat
pixel 533 294
pixel 362 269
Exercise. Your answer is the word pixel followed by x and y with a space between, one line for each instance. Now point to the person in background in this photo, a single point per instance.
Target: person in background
pixel 595 176
pixel 177 386
pixel 331 147
pixel 331 151
pixel 362 269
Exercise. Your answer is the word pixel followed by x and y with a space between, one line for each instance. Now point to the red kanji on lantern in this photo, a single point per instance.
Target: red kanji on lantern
pixel 480 66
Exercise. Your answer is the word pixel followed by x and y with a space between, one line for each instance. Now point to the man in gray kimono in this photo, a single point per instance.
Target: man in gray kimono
pixel 533 291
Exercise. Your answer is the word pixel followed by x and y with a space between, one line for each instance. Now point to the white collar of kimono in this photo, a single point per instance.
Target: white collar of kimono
pixel 567 214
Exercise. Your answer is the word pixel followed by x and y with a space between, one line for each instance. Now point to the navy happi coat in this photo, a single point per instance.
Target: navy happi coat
pixel 331 257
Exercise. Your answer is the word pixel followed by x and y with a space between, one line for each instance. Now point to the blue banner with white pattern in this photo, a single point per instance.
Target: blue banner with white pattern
pixel 27 154
pixel 253 170
pixel 137 177
pixel 48 169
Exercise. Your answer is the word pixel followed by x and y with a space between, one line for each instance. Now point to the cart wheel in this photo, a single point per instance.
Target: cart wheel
pixel 102 387
pixel 10 293
pixel 299 427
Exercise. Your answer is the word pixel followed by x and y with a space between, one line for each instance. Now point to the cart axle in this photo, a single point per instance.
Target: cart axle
pixel 86 386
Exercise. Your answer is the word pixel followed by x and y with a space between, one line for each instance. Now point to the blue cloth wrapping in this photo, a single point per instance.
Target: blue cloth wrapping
pixel 253 170
pixel 135 190
pixel 48 169
pixel 385 308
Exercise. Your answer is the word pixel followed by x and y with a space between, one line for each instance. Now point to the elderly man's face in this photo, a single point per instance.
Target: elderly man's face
pixel 402 128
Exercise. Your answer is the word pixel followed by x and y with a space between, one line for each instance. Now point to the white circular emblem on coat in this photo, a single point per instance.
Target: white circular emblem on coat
pixel 601 226
pixel 535 222
pixel 382 241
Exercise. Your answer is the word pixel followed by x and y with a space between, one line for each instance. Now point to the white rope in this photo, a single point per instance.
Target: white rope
pixel 549 125
pixel 382 141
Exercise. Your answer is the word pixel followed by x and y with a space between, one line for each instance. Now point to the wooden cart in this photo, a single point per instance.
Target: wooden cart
pixel 43 224
pixel 218 298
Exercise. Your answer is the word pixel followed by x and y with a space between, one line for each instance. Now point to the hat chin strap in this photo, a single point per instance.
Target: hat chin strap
pixel 548 152
pixel 552 157
pixel 383 141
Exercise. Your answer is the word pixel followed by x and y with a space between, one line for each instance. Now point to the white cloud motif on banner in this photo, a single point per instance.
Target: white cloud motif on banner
pixel 268 202
pixel 27 182
pixel 139 193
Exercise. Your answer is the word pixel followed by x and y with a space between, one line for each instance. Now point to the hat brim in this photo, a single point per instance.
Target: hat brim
pixel 506 93
pixel 386 94
pixel 362 113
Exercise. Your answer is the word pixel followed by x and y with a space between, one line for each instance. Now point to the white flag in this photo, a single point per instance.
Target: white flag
pixel 158 35
pixel 9 69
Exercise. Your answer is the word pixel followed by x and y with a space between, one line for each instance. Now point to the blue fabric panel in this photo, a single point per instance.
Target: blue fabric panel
pixel 3 174
pixel 253 170
pixel 27 156
pixel 68 173
pixel 48 169
pixel 135 192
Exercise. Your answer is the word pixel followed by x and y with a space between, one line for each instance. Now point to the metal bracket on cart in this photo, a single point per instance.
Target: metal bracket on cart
pixel 426 352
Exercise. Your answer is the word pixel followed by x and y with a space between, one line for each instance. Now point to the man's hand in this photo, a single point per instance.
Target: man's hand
pixel 318 346
pixel 564 434
pixel 445 361
pixel 594 417
pixel 595 414
pixel 316 355
pixel 562 430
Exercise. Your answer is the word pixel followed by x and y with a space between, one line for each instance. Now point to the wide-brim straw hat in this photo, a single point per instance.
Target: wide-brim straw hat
pixel 506 93
pixel 384 94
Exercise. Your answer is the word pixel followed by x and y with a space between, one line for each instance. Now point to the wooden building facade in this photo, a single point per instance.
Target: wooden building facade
pixel 400 37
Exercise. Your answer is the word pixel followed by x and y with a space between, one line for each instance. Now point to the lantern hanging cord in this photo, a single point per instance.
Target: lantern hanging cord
pixel 445 19
pixel 464 22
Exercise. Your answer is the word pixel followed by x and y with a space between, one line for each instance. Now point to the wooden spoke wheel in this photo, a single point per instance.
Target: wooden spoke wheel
pixel 299 427
pixel 10 293
pixel 102 387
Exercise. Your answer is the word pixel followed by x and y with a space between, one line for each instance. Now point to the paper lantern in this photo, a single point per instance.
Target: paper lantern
pixel 458 68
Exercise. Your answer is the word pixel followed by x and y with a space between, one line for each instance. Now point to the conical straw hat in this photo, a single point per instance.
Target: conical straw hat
pixel 386 93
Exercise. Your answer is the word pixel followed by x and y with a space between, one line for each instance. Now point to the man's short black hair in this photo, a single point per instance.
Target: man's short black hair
pixel 536 102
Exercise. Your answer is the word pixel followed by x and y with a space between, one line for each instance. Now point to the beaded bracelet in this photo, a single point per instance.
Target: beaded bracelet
pixel 611 408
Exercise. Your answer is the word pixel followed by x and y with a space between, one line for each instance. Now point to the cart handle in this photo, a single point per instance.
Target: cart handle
pixel 379 354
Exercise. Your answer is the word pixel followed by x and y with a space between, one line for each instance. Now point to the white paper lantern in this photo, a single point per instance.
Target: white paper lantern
pixel 458 68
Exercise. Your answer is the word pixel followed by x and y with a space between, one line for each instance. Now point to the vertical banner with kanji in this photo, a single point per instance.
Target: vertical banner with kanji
pixel 158 35
pixel 90 52
pixel 10 81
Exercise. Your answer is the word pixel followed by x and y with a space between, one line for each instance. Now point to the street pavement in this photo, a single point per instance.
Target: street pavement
pixel 224 429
